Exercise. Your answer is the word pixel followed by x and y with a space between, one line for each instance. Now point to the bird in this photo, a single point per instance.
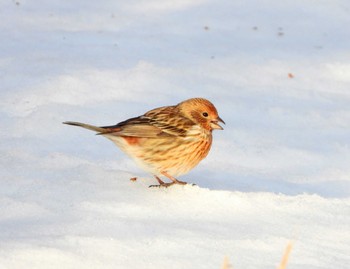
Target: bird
pixel 166 141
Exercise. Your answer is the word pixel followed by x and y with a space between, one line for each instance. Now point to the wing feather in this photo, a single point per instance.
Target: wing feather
pixel 164 121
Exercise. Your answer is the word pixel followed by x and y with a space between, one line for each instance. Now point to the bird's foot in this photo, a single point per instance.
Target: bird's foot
pixel 166 185
pixel 163 185
pixel 179 182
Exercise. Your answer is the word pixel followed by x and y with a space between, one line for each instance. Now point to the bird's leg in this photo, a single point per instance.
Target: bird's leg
pixel 174 180
pixel 163 184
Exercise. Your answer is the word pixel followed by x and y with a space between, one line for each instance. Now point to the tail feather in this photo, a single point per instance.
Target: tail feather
pixel 99 130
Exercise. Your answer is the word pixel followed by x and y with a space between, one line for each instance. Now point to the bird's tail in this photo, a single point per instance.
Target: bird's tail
pixel 99 130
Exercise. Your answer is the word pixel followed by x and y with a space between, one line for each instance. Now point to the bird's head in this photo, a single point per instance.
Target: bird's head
pixel 202 112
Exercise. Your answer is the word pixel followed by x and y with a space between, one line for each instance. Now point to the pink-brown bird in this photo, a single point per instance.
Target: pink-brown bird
pixel 166 141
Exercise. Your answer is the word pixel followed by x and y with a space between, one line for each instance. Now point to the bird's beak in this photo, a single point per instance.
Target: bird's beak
pixel 215 123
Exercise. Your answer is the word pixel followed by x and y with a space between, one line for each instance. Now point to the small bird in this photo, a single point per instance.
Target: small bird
pixel 167 141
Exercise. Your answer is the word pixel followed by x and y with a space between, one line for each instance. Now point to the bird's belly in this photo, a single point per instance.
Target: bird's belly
pixel 176 156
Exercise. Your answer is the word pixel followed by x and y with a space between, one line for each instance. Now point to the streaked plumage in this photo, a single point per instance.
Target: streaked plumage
pixel 167 141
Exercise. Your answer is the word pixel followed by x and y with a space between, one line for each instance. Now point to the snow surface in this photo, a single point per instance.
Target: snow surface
pixel 279 74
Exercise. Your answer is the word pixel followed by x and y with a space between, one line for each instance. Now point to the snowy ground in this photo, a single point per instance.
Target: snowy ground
pixel 279 74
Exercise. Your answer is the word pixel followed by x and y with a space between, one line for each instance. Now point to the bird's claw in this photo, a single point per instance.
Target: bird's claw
pixel 166 185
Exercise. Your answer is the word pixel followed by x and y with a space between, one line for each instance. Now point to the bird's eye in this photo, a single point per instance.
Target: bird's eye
pixel 205 114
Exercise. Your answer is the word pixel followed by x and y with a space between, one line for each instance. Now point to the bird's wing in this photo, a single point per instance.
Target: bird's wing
pixel 138 127
pixel 164 121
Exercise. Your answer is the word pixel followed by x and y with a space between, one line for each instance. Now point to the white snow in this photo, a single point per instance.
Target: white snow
pixel 279 74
